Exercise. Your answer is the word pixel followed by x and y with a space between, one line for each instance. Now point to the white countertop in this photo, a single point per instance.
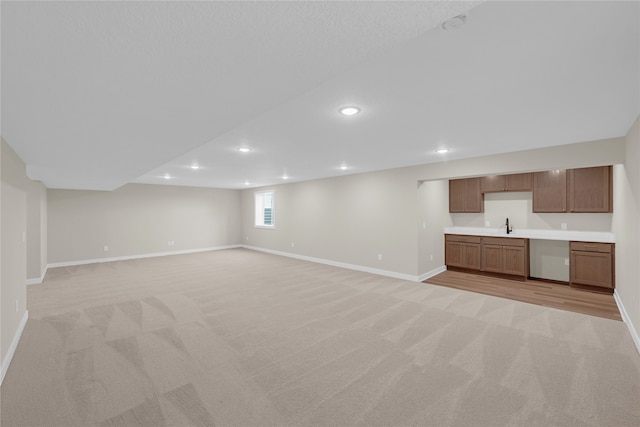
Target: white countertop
pixel 583 236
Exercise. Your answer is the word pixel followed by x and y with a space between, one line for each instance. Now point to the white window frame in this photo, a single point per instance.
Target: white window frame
pixel 258 218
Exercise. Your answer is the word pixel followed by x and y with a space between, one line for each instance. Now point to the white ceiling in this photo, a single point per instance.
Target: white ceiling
pixel 99 94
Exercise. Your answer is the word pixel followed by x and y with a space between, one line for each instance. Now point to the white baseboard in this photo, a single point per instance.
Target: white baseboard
pixel 128 257
pixel 40 280
pixel 432 273
pixel 14 345
pixel 627 320
pixel 377 271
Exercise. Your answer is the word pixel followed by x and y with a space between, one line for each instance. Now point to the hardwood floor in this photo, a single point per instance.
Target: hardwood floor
pixel 548 294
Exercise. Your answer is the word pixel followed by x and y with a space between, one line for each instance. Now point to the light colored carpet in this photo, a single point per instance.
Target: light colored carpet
pixel 243 338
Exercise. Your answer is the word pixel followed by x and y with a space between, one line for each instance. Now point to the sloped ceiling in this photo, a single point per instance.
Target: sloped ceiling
pixel 99 94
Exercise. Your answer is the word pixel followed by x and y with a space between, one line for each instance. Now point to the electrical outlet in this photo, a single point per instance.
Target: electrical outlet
pixel 566 261
pixel 379 257
pixel 106 248
pixel 487 224
pixel 563 226
pixel 431 257
pixel 292 244
pixel 17 306
pixel 424 225
pixel 247 238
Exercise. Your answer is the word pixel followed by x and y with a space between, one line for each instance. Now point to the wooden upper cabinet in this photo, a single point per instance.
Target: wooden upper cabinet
pixel 513 182
pixel 465 195
pixel 590 189
pixel 520 182
pixel 474 198
pixel 493 183
pixel 457 195
pixel 550 191
pixel 573 190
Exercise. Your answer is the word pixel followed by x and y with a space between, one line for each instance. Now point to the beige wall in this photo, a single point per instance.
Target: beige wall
pixel 139 219
pixel 350 219
pixel 593 153
pixel 14 249
pixel 626 220
pixel 36 230
pixel 433 216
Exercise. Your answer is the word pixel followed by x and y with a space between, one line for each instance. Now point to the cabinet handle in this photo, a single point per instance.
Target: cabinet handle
pixel 590 246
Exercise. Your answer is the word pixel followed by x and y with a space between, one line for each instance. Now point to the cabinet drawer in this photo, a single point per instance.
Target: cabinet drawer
pixel 503 241
pixel 590 247
pixel 462 238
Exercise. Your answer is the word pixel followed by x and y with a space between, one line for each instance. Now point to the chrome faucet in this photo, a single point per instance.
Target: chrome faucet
pixel 509 229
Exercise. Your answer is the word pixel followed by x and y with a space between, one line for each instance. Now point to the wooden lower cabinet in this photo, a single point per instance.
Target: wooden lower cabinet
pixel 492 258
pixel 462 251
pixel 516 260
pixel 505 255
pixel 592 264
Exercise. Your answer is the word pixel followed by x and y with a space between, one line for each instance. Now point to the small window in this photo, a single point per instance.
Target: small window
pixel 265 212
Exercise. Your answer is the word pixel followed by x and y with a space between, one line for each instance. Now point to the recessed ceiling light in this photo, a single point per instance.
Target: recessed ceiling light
pixel 167 176
pixel 244 149
pixel 442 151
pixel 344 167
pixel 246 183
pixel 195 167
pixel 285 177
pixel 349 111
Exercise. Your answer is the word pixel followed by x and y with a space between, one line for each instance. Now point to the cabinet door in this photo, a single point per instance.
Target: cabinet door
pixel 492 258
pixel 465 195
pixel 453 254
pixel 519 182
pixel 472 256
pixel 590 189
pixel 474 200
pixel 457 194
pixel 591 268
pixel 514 261
pixel 493 183
pixel 550 191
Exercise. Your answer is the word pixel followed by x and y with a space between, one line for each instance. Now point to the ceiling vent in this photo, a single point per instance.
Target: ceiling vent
pixel 454 23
